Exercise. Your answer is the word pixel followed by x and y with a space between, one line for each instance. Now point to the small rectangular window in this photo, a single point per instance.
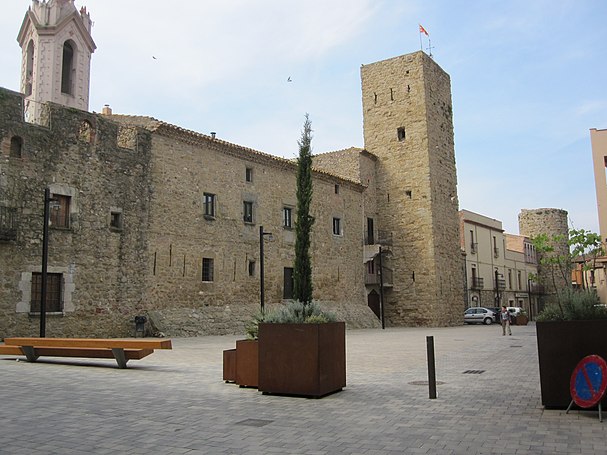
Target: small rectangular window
pixel 207 269
pixel 60 211
pixel 400 133
pixel 251 268
pixel 336 189
pixel 248 212
pixel 209 205
pixel 287 217
pixel 116 220
pixel 249 174
pixel 336 226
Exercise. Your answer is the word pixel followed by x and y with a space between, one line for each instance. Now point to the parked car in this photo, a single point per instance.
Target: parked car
pixel 496 312
pixel 514 311
pixel 479 314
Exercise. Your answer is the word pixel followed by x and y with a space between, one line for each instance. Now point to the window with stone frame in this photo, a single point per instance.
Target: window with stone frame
pixel 60 211
pixel 251 268
pixel 207 269
pixel 209 205
pixel 287 217
pixel 67 68
pixel 248 211
pixel 249 174
pixel 337 228
pixel 54 283
pixel 116 220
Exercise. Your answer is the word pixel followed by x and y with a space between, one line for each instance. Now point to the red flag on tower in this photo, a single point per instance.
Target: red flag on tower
pixel 423 30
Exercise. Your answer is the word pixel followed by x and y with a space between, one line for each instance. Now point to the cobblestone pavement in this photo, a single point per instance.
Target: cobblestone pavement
pixel 175 402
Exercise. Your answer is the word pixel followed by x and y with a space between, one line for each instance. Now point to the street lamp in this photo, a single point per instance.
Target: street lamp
pixel 47 205
pixel 497 288
pixel 261 271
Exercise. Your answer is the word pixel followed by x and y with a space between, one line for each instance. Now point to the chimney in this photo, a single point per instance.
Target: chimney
pixel 107 110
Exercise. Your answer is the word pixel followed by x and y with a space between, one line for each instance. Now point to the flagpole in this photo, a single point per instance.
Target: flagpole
pixel 421 46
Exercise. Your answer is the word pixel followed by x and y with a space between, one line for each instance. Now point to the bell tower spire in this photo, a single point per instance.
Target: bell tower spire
pixel 56 44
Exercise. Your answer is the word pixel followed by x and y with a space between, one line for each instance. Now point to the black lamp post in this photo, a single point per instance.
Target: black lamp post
pixel 47 203
pixel 497 288
pixel 261 270
pixel 381 288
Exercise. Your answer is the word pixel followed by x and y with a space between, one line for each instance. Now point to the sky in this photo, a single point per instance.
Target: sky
pixel 528 80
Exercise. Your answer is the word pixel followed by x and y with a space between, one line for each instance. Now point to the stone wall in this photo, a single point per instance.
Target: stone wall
pixel 151 177
pixel 408 125
pixel 101 266
pixel 552 222
pixel 187 165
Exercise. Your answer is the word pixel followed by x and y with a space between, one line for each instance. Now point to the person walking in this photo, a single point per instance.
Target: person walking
pixel 505 318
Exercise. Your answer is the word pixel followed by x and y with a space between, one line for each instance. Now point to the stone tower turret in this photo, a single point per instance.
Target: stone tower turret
pixel 552 222
pixel 408 125
pixel 56 48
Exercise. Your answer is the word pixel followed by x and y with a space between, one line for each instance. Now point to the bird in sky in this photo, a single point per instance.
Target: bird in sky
pixel 289 79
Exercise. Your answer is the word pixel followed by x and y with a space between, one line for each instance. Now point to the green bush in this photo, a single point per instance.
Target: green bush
pixel 575 306
pixel 294 312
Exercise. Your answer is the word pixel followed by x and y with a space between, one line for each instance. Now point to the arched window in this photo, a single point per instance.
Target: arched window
pixel 85 133
pixel 29 68
pixel 16 146
pixel 67 68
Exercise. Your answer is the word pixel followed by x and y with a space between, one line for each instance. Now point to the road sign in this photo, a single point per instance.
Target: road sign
pixel 589 381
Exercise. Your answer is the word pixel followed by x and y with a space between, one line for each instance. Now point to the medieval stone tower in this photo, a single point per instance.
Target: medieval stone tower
pixel 408 125
pixel 56 48
pixel 552 222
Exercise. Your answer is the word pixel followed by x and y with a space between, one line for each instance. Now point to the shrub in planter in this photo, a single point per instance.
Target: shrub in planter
pixel 566 334
pixel 302 351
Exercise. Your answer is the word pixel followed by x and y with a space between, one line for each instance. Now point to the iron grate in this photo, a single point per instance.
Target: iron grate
pixel 473 372
pixel 254 422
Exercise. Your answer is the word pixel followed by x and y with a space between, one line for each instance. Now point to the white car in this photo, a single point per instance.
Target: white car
pixel 479 314
pixel 514 311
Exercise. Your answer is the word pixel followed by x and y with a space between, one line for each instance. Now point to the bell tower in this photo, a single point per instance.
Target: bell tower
pixel 56 44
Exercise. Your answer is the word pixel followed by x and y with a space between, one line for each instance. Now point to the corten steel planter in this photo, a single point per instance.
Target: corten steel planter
pixel 247 363
pixel 561 345
pixel 229 365
pixel 521 320
pixel 302 359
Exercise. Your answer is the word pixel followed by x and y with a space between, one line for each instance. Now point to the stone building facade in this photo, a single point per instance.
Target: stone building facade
pixel 500 267
pixel 151 219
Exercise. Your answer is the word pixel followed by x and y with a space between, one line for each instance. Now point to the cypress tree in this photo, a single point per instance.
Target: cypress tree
pixel 302 270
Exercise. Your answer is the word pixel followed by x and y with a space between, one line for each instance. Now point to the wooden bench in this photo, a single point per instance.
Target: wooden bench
pixel 122 350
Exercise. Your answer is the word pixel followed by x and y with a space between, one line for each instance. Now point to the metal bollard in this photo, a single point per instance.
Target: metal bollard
pixel 431 367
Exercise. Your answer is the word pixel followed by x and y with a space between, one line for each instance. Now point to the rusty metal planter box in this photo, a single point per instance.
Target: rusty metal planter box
pixel 302 359
pixel 229 365
pixel 247 363
pixel 561 345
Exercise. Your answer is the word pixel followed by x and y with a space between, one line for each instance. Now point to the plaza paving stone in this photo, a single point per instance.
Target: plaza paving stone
pixel 175 402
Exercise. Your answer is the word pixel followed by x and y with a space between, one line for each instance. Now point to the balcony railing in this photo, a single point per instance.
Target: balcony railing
pixel 374 278
pixel 501 284
pixel 477 283
pixel 382 238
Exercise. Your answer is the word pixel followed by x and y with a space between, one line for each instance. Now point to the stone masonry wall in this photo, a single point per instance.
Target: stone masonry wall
pixel 102 267
pixel 408 126
pixel 552 222
pixel 184 168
